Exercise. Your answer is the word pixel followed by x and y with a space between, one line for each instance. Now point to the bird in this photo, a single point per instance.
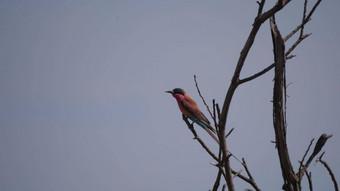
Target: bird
pixel 190 109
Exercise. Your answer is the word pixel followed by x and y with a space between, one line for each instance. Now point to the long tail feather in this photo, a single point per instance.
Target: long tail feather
pixel 212 135
pixel 209 129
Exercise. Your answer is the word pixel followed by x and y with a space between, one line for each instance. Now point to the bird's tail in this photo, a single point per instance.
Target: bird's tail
pixel 212 135
pixel 206 127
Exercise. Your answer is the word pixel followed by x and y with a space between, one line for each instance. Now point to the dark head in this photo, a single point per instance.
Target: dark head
pixel 176 91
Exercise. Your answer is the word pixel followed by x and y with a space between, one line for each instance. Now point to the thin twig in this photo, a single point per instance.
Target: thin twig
pixel 231 130
pixel 303 17
pixel 256 75
pixel 217 181
pixel 199 92
pixel 246 168
pixel 309 178
pixel 214 117
pixel 303 159
pixel 261 5
pixel 297 42
pixel 318 146
pixel 329 171
pixel 305 21
pixel 248 180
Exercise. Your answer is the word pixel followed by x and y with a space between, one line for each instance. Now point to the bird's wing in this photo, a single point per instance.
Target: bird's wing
pixel 193 109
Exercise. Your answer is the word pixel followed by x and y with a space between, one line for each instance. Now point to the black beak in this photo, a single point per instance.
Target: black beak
pixel 170 91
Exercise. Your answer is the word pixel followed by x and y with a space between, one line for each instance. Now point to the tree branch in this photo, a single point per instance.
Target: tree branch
pixel 304 21
pixel 199 93
pixel 234 82
pixel 248 180
pixel 290 181
pixel 256 75
pixel 217 182
pixel 309 178
pixel 329 171
pixel 303 159
pixel 318 146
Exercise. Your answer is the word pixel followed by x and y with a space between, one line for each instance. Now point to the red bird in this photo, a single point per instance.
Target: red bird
pixel 190 109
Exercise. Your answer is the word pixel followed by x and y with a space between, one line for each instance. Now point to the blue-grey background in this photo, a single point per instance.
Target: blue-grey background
pixel 82 102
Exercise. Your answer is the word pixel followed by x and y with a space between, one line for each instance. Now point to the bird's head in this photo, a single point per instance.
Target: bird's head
pixel 178 93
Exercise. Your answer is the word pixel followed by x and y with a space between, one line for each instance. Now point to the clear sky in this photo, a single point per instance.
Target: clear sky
pixel 82 102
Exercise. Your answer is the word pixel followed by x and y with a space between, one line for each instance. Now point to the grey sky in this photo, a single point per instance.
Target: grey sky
pixel 82 102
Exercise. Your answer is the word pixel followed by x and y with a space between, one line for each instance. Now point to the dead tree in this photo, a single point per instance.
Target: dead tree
pixel 291 178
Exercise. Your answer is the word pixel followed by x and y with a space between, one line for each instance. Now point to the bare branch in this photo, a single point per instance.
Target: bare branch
pixel 303 159
pixel 199 92
pixel 248 180
pixel 256 75
pixel 304 21
pixel 297 42
pixel 329 171
pixel 217 182
pixel 261 4
pixel 246 168
pixel 214 116
pixel 309 178
pixel 266 15
pixel 231 130
pixel 303 17
pixel 318 146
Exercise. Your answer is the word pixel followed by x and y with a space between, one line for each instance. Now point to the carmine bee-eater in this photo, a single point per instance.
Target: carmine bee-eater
pixel 190 109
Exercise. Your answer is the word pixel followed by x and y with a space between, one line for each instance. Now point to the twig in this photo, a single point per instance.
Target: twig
pixel 257 74
pixel 297 42
pixel 214 117
pixel 329 171
pixel 239 172
pixel 199 92
pixel 248 180
pixel 305 21
pixel 217 182
pixel 246 168
pixel 318 146
pixel 303 17
pixel 231 130
pixel 303 159
pixel 261 4
pixel 309 178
